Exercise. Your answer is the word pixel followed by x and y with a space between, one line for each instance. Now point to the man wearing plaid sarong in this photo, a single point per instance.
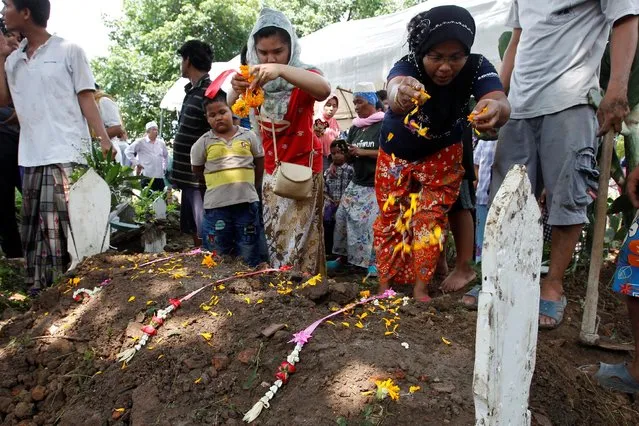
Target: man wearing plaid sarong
pixel 51 85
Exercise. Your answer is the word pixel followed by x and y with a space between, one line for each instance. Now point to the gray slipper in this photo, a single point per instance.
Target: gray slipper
pixel 553 309
pixel 474 292
pixel 616 377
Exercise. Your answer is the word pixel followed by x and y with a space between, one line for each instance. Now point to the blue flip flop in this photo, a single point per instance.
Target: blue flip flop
pixel 474 292
pixel 616 377
pixel 553 309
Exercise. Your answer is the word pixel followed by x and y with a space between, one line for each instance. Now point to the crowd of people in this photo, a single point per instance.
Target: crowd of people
pixel 289 187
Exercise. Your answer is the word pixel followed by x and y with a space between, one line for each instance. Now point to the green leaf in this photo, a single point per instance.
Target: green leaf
pixel 112 174
pixel 504 40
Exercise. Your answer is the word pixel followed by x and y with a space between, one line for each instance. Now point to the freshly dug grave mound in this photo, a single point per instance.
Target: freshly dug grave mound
pixel 215 357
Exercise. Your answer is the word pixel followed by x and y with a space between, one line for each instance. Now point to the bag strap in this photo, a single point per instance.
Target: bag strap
pixel 277 160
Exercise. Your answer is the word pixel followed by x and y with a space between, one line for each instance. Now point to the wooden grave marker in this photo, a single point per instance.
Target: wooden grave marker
pixel 508 309
pixel 89 208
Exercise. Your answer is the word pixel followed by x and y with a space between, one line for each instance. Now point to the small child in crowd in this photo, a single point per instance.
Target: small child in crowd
pixel 336 179
pixel 230 160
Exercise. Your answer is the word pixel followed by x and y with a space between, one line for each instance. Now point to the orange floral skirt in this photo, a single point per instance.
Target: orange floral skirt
pixel 414 199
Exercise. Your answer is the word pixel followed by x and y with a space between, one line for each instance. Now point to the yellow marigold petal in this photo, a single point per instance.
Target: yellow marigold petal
pixel 414 389
pixel 131 299
pixel 446 341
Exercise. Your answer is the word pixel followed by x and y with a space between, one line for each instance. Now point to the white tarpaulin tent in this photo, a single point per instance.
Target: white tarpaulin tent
pixel 364 50
pixel 172 101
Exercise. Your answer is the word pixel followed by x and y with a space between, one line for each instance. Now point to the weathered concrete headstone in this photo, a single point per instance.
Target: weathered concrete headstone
pixel 89 208
pixel 508 309
pixel 159 207
pixel 154 236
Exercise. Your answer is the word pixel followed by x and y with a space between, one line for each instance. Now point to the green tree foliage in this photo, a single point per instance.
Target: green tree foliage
pixel 143 64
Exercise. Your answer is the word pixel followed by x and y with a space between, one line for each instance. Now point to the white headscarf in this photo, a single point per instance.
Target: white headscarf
pixel 277 92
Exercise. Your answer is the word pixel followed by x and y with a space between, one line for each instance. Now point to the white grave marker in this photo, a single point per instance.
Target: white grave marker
pixel 154 237
pixel 89 208
pixel 508 309
pixel 159 207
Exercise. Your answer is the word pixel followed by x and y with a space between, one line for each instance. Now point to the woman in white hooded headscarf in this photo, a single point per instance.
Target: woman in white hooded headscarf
pixel 293 229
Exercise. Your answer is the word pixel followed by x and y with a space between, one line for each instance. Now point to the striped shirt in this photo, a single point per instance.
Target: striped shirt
pixel 483 158
pixel 191 126
pixel 229 169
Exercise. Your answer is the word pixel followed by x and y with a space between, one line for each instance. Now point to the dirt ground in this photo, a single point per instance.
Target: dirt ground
pixel 210 362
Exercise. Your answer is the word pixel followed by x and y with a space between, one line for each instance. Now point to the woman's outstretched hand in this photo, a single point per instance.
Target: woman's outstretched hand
pixel 239 83
pixel 486 114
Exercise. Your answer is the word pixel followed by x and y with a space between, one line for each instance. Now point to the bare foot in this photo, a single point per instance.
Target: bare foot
pixel 551 289
pixel 420 293
pixel 458 279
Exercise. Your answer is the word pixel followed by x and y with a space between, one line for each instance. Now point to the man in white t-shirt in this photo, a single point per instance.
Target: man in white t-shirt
pixel 110 114
pixel 550 67
pixel 149 156
pixel 51 86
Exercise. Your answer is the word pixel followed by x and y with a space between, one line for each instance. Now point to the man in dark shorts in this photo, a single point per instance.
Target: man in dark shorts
pixel 196 64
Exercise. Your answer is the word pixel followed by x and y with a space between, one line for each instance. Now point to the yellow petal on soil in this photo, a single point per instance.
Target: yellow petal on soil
pixel 363 315
pixel 334 309
pixel 131 299
pixel 365 294
pixel 123 366
pixel 205 308
pixel 207 336
pixel 229 313
pixel 345 324
pixel 359 324
pixel 221 287
pixel 414 389
pixel 120 410
pixel 259 301
pixel 197 380
pixel 247 300
pixel 390 136
pixel 97 373
pixel 330 322
pixel 446 341
pixel 161 356
pixel 368 393
pixel 149 303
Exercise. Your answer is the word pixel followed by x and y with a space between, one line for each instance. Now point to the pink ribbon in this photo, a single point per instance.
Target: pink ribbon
pixel 305 335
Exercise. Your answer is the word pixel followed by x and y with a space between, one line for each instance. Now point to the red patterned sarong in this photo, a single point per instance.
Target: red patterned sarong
pixel 414 199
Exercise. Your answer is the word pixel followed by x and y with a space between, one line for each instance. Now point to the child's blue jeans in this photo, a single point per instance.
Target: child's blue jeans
pixel 234 230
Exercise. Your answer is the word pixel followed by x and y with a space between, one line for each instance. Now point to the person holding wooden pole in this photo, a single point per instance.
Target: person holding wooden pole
pixel 550 66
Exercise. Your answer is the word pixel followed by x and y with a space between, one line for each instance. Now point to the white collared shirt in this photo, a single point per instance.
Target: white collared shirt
pixel 45 92
pixel 151 156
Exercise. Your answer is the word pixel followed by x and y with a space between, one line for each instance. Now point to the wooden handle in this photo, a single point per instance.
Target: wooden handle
pixel 588 333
